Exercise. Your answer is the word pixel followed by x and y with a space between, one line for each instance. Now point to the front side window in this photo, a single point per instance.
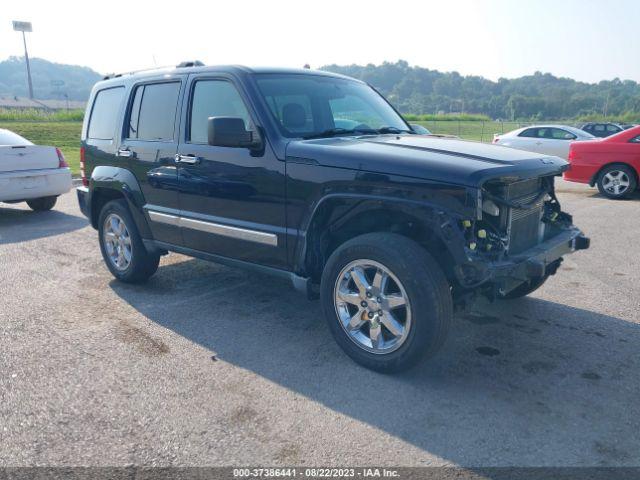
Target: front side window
pixel 104 113
pixel 559 134
pixel 153 112
pixel 315 105
pixel 214 98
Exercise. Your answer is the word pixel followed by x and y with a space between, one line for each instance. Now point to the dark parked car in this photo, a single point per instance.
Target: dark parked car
pixel 314 177
pixel 602 130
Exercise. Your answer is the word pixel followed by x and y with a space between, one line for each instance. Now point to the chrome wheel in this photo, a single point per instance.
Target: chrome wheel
pixel 616 182
pixel 117 242
pixel 372 306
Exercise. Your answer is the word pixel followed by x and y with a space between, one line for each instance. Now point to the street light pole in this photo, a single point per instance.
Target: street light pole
pixel 25 27
pixel 26 57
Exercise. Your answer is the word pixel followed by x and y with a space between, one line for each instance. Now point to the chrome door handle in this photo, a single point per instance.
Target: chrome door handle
pixel 188 159
pixel 125 152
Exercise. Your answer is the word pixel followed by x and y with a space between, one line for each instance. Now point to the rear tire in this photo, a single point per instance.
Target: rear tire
pixel 406 317
pixel 42 204
pixel 617 181
pixel 121 245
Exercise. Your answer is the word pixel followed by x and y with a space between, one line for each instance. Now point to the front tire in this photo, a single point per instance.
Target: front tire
pixel 386 300
pixel 122 247
pixel 617 181
pixel 42 204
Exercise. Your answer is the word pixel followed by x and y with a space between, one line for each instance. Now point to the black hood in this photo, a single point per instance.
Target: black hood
pixel 430 158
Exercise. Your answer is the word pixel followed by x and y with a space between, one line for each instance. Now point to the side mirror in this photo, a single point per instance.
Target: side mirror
pixel 230 132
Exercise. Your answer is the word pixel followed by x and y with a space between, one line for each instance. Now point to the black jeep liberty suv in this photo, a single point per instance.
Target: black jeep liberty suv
pixel 316 177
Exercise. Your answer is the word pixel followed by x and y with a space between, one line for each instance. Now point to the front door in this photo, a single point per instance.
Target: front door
pixel 150 143
pixel 232 200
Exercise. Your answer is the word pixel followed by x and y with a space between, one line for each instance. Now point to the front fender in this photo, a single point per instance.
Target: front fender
pixel 333 211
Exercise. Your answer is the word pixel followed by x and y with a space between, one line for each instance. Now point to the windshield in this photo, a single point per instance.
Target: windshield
pixel 313 106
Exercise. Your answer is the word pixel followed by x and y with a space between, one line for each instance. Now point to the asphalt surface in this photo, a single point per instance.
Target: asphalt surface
pixel 206 365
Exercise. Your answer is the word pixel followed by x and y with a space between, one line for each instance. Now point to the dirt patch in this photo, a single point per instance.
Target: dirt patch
pixel 142 341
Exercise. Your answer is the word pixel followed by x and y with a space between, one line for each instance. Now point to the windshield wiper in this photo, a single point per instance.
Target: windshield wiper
pixel 393 130
pixel 341 131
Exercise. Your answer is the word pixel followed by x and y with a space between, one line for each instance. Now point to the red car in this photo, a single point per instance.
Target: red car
pixel 612 163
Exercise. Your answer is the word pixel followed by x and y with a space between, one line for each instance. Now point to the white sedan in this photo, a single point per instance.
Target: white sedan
pixel 31 173
pixel 546 139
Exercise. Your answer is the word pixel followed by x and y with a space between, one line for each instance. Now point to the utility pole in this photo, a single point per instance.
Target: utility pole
pixel 25 27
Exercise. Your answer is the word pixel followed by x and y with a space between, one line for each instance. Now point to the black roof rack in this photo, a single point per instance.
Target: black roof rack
pixel 186 64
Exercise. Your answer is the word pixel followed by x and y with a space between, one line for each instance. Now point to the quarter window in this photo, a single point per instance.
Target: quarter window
pixel 214 98
pixel 153 112
pixel 635 139
pixel 104 113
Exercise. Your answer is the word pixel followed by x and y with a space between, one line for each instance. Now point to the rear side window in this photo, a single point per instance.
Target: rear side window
pixel 153 112
pixel 8 138
pixel 214 98
pixel 529 132
pixel 613 128
pixel 104 113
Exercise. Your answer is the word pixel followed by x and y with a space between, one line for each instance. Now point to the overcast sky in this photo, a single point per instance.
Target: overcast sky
pixel 587 40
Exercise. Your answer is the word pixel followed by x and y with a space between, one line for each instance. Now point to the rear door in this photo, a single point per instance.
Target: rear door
pixel 525 140
pixel 150 144
pixel 232 199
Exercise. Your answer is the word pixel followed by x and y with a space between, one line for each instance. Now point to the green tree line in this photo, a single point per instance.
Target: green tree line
pixel 417 90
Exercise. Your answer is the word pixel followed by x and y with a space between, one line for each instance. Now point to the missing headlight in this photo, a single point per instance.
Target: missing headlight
pixel 488 206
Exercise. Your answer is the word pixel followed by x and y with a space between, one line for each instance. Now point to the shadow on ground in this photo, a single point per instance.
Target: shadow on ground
pixel 526 382
pixel 19 225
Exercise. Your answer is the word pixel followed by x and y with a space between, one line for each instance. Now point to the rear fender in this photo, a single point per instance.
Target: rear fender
pixel 108 180
pixel 594 179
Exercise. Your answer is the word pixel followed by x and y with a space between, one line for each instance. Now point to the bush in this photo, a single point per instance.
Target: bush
pixel 447 117
pixel 37 115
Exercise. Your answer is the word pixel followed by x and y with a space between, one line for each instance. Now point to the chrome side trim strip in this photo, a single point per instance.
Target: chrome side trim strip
pixel 215 228
pixel 164 218
pixel 227 231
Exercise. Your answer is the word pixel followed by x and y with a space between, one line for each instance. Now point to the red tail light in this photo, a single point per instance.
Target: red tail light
pixel 85 182
pixel 572 154
pixel 62 163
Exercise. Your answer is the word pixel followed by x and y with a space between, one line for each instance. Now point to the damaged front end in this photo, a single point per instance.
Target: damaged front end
pixel 519 235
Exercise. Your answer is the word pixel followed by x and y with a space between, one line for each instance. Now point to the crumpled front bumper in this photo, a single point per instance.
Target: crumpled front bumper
pixel 541 260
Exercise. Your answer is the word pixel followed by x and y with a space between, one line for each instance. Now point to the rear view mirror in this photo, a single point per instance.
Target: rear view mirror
pixel 230 132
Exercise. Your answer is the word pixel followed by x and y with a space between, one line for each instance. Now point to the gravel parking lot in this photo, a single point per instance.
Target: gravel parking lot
pixel 206 365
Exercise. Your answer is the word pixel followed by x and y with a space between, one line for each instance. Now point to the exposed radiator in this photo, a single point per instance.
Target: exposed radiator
pixel 524 224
